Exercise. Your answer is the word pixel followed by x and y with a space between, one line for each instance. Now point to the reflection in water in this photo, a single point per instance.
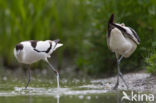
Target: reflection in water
pixel 30 98
pixel 118 96
pixel 58 98
pixel 67 95
pixel 53 96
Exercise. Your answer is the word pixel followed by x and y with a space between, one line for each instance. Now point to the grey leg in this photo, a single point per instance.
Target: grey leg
pixel 117 83
pixel 118 67
pixel 120 74
pixel 57 74
pixel 29 77
pixel 51 66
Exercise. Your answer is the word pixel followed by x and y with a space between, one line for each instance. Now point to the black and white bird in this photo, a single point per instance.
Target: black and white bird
pixel 28 52
pixel 123 41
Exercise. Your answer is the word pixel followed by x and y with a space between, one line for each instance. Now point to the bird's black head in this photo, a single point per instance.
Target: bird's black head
pixel 19 47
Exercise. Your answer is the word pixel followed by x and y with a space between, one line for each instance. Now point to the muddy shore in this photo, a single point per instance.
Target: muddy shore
pixel 137 81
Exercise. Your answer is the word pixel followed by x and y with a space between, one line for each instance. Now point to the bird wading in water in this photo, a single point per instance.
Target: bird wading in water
pixel 28 52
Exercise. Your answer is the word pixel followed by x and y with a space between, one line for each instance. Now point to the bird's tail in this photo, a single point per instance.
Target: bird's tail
pixel 55 45
pixel 111 19
pixel 58 45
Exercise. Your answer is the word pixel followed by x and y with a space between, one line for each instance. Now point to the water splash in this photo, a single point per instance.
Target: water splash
pixel 55 92
pixel 40 91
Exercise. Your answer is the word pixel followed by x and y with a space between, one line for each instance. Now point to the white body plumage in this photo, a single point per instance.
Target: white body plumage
pixel 122 40
pixel 28 52
pixel 120 44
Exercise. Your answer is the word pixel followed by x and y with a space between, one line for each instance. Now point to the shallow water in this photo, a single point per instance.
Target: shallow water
pixel 62 99
pixel 55 95
pixel 70 91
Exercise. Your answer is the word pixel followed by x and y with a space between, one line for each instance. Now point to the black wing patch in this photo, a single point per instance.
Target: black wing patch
pixel 124 32
pixel 33 43
pixel 47 51
pixel 119 27
pixel 19 47
pixel 135 34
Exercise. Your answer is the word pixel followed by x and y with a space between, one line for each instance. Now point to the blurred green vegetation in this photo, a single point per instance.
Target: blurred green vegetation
pixel 151 63
pixel 82 26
